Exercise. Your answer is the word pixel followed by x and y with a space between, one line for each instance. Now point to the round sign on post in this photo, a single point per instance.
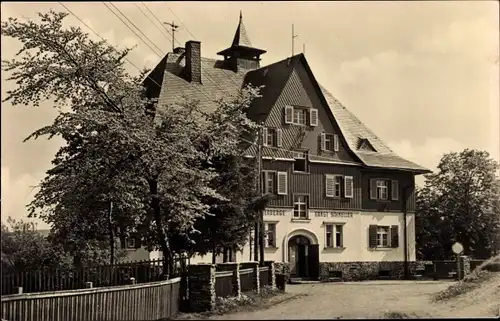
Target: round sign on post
pixel 457 248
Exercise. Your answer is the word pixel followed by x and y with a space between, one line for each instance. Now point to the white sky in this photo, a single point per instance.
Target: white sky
pixel 424 76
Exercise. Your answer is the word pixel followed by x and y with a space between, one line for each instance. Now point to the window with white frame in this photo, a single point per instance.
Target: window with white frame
pixel 299 116
pixel 300 206
pixel 300 164
pixel 270 234
pixel 382 189
pixel 334 235
pixel 382 236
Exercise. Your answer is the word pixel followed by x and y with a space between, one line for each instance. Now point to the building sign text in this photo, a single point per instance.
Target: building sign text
pixel 333 214
pixel 274 212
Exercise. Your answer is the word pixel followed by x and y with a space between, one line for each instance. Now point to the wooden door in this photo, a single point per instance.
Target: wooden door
pixel 301 260
pixel 313 261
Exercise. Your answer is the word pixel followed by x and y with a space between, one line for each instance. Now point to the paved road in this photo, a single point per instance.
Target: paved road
pixel 370 299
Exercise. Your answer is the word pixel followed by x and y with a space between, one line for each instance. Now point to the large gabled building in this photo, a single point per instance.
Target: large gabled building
pixel 342 195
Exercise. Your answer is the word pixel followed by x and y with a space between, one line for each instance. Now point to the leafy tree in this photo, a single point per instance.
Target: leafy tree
pixel 25 249
pixel 459 203
pixel 147 159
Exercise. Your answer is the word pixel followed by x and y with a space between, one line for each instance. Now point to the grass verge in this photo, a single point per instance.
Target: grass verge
pixel 472 281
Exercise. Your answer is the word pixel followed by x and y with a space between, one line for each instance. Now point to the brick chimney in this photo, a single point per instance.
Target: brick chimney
pixel 193 61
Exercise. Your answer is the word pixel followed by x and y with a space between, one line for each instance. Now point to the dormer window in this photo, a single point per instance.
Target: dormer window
pixel 364 144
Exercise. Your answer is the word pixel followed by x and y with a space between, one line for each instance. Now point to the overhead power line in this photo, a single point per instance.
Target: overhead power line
pixel 146 37
pixel 86 25
pixel 150 20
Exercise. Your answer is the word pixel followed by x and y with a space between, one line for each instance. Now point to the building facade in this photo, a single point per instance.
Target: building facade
pixel 344 202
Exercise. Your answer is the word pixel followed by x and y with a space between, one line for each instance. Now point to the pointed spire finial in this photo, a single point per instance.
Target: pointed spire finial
pixel 241 15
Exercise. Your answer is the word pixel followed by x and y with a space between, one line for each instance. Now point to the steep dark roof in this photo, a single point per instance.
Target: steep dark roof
pixel 218 82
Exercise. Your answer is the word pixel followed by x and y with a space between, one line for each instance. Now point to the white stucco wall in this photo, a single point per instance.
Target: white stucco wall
pixel 355 235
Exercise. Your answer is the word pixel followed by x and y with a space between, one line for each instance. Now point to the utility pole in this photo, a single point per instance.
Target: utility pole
pixel 405 231
pixel 293 40
pixel 173 28
pixel 261 213
pixel 111 234
pixel 259 190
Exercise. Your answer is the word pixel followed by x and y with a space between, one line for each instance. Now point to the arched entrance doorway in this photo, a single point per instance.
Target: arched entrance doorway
pixel 303 257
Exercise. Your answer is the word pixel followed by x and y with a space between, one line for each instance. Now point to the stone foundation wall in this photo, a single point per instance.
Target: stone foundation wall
pixel 202 280
pixel 201 286
pixel 359 271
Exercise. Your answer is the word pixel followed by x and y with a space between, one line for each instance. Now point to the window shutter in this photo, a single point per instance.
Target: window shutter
pixel 336 142
pixel 282 183
pixel 394 190
pixel 264 182
pixel 373 189
pixel 288 114
pixel 348 187
pixel 313 117
pixel 264 136
pixel 323 141
pixel 372 236
pixel 394 236
pixel 329 185
pixel 279 137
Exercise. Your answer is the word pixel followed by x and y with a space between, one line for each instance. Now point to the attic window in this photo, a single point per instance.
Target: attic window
pixel 364 144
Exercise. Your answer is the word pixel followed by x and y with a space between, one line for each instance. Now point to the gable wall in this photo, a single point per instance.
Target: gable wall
pixel 299 91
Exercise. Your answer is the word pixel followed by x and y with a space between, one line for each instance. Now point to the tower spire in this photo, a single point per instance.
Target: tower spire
pixel 241 52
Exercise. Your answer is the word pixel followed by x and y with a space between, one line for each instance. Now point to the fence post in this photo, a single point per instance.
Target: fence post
pixel 464 266
pixel 272 274
pixel 19 290
pixel 133 281
pixel 88 285
pixel 256 278
pixel 236 280
pixel 201 285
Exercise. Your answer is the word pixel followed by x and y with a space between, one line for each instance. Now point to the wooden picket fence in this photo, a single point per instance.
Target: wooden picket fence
pixel 100 276
pixel 139 302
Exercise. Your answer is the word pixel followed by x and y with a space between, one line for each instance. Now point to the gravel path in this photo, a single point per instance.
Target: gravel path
pixel 370 299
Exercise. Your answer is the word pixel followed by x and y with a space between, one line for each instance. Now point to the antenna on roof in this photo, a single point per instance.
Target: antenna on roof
pixel 304 48
pixel 174 29
pixel 293 39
